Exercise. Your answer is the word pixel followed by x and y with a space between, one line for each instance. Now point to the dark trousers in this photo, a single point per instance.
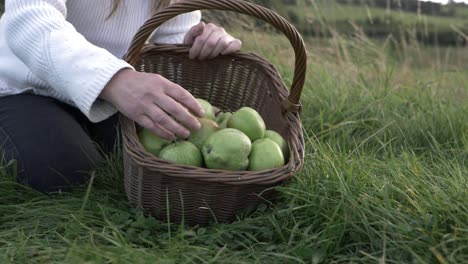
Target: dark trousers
pixel 55 146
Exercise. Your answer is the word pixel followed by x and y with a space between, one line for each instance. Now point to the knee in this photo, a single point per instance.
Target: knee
pixel 57 170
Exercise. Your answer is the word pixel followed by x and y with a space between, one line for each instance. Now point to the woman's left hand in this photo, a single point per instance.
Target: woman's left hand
pixel 209 41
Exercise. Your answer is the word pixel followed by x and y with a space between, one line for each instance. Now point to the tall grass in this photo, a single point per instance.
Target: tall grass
pixel 385 178
pixel 377 22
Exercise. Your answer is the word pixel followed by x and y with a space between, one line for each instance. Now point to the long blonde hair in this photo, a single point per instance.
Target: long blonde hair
pixel 158 4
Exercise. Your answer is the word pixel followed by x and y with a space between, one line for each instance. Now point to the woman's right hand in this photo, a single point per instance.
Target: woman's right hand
pixel 154 102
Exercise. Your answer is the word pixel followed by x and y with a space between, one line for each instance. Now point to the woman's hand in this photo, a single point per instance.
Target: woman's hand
pixel 154 102
pixel 210 41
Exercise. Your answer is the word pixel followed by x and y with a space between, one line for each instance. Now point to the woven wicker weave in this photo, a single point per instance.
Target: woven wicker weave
pixel 199 196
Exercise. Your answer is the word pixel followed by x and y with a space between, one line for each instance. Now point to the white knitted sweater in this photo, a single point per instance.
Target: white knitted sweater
pixel 69 50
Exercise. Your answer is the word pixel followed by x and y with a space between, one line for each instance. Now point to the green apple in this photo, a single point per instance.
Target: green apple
pixel 182 152
pixel 278 139
pixel 151 142
pixel 265 154
pixel 248 121
pixel 208 127
pixel 208 108
pixel 227 149
pixel 223 119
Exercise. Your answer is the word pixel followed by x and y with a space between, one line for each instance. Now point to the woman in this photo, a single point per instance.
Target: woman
pixel 62 82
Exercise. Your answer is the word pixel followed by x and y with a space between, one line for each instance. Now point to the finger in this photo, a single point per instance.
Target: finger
pixel 210 44
pixel 164 120
pixel 185 98
pixel 179 112
pixel 146 122
pixel 194 32
pixel 222 44
pixel 200 41
pixel 233 47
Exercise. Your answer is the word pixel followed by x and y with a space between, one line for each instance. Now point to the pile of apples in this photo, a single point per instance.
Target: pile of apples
pixel 236 141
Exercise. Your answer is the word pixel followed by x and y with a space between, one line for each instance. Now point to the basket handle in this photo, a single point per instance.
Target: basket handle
pixel 292 104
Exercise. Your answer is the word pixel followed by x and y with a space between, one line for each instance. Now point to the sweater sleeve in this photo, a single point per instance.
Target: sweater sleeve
pixel 173 31
pixel 38 34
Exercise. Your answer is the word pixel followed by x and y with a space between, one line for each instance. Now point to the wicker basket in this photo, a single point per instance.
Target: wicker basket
pixel 198 196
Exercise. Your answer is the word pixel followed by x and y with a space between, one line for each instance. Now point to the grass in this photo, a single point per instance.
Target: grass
pixel 334 12
pixel 385 177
